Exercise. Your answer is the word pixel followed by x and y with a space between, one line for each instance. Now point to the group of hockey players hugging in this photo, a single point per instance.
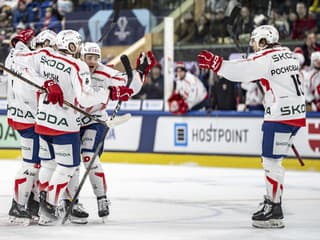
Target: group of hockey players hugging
pixel 54 137
pixel 53 133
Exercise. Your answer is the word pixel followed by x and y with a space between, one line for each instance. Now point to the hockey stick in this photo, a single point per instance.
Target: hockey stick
pixel 109 123
pixel 294 149
pixel 126 63
pixel 110 26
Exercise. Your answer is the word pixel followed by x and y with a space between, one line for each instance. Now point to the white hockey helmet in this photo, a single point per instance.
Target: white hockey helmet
pixel 47 35
pixel 267 32
pixel 314 56
pixel 90 48
pixel 68 40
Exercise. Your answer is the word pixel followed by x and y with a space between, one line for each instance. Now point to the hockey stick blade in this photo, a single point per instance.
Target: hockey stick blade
pixel 127 66
pixel 118 120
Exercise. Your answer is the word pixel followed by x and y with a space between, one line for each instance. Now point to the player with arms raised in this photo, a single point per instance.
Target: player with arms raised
pixel 278 71
pixel 91 132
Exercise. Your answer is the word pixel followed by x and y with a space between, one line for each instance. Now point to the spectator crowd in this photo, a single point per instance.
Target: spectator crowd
pixel 223 20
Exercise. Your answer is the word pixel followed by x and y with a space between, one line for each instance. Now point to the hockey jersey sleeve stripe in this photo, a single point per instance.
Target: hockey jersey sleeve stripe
pixel 266 52
pixel 109 76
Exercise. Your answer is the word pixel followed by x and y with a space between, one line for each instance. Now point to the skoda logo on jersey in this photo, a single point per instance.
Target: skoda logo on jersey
pixel 122 24
pixel 180 134
pixel 314 133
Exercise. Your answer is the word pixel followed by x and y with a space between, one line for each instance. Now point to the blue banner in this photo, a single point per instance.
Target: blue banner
pixel 130 26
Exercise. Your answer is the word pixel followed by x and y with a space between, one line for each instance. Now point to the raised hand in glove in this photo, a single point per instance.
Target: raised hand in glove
pixel 145 62
pixel 208 60
pixel 24 36
pixel 121 93
pixel 177 104
pixel 54 92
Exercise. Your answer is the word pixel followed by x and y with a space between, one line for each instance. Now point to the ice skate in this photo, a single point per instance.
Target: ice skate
pixel 268 216
pixel 33 208
pixel 18 214
pixel 78 214
pixel 103 207
pixel 47 212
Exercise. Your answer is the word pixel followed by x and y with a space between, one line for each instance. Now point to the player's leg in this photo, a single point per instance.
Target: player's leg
pixel 276 142
pixel 78 214
pixel 91 136
pixel 48 166
pixel 67 155
pixel 25 177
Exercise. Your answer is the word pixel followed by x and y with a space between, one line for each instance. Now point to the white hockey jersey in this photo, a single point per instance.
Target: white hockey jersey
pixel 104 77
pixel 191 89
pixel 73 77
pixel 21 97
pixel 312 79
pixel 278 71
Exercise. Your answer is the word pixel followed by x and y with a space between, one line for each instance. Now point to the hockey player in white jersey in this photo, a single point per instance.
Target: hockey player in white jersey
pixel 189 93
pixel 115 82
pixel 21 112
pixel 313 83
pixel 59 125
pixel 284 102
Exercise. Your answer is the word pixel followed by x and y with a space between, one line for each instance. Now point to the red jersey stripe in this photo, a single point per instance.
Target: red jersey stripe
pixel 57 57
pixel 49 131
pixel 109 76
pixel 267 52
pixel 18 125
pixel 300 122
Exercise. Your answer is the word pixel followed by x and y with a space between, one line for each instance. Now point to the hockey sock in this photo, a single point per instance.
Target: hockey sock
pixel 45 174
pixel 72 185
pixel 96 175
pixel 274 176
pixel 35 188
pixel 24 181
pixel 58 183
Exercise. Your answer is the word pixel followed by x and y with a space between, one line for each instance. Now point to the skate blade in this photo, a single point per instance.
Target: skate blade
pixel 34 220
pixel 19 221
pixel 272 223
pixel 76 220
pixel 45 221
pixel 104 219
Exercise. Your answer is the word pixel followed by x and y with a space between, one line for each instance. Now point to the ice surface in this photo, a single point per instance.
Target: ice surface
pixel 178 202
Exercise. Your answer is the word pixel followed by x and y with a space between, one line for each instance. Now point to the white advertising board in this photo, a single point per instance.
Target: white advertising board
pixel 226 135
pixel 125 137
